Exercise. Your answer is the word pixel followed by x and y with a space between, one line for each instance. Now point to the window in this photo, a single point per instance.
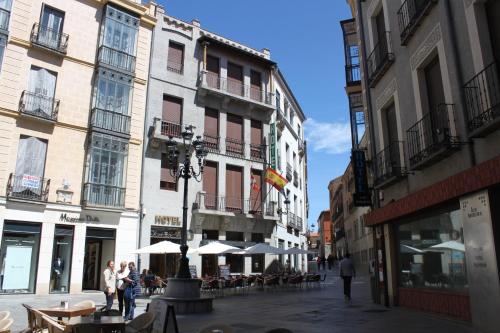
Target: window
pixel 51 26
pixel 235 79
pixel 234 135
pixel 112 92
pixel 278 100
pixel 175 62
pixel 3 44
pixel 257 151
pixel 4 14
pixel 432 252
pixel 234 188
pixel 213 68
pixel 39 99
pixel 299 134
pixel 210 234
pixel 211 132
pixel 210 185
pixel 107 160
pixel 120 31
pixel 434 83
pixel 171 124
pixel 61 259
pixel 255 86
pixel 167 180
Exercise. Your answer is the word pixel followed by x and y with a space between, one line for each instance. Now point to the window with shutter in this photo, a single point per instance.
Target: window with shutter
pixel 167 180
pixel 210 184
pixel 234 187
pixel 234 134
pixel 235 79
pixel 255 86
pixel 175 62
pixel 211 129
pixel 171 116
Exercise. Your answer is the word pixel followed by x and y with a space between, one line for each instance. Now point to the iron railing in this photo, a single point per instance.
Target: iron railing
pixel 235 148
pixel 236 87
pixel 236 205
pixel 295 178
pixel 410 14
pixel 176 67
pixel 430 134
pixel 4 19
pixel 380 59
pixel 168 128
pixel 257 152
pixel 211 143
pixel 39 105
pixel 103 195
pixel 352 74
pixel 291 220
pixel 116 59
pixel 482 99
pixel 388 162
pixel 110 120
pixel 289 172
pixel 28 187
pixel 299 223
pixel 49 38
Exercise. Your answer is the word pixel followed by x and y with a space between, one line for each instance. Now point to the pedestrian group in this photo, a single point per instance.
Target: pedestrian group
pixel 125 283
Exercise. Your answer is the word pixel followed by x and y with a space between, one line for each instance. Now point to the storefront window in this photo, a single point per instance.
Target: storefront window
pixel 61 259
pixel 432 252
pixel 19 257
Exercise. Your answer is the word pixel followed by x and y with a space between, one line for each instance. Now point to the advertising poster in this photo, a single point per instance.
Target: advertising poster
pixel 17 268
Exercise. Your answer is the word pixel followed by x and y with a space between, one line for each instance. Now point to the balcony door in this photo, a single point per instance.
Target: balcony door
pixel 256 149
pixel 234 188
pixel 235 79
pixel 171 116
pixel 213 69
pixel 234 133
pixel 255 86
pixel 391 139
pixel 210 185
pixel 30 167
pixel 51 25
pixel 41 90
pixel 436 123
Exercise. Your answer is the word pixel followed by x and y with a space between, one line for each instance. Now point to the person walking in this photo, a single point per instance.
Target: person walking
pixel 132 290
pixel 323 262
pixel 109 283
pixel 330 261
pixel 347 272
pixel 318 261
pixel 121 284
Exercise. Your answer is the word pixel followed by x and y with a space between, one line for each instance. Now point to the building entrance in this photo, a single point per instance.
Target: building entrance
pixel 99 248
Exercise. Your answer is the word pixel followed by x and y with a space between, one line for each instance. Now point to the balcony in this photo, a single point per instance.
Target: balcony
pixel 289 172
pixel 212 143
pixel 380 59
pixel 352 75
pixel 116 59
pixel 38 106
pixel 4 21
pixel 302 148
pixel 28 187
pixel 211 83
pixel 295 178
pixel 431 138
pixel 111 121
pixel 208 202
pixel 101 195
pixel 258 152
pixel 482 101
pixel 410 15
pixel 389 166
pixel 49 39
pixel 235 148
pixel 163 130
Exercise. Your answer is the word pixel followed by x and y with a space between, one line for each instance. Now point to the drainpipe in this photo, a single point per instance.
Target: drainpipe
pixel 455 60
pixel 143 156
pixel 376 202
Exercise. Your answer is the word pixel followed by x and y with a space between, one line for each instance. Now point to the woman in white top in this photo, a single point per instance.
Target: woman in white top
pixel 109 283
pixel 121 284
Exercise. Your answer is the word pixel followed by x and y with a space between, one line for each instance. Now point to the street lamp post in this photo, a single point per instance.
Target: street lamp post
pixel 185 171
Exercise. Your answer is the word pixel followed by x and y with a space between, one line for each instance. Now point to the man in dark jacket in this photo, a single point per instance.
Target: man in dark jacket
pixel 134 286
pixel 347 272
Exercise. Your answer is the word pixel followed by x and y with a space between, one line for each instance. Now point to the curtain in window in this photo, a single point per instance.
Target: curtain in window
pixel 42 84
pixel 51 27
pixel 30 165
pixel 120 36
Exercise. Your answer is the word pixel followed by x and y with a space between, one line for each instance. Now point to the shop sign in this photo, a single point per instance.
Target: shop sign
pixel 362 195
pixel 77 218
pixel 171 221
pixel 273 145
pixel 165 233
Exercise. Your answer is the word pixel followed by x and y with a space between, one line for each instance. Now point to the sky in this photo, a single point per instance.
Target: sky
pixel 305 40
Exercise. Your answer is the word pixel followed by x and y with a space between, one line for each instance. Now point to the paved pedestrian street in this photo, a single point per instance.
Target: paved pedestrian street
pixel 300 310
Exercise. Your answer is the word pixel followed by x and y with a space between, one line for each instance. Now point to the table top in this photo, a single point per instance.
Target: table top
pixel 72 311
pixel 104 320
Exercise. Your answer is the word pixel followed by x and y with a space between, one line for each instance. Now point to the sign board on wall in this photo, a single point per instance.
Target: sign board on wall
pixel 273 145
pixel 482 270
pixel 171 221
pixel 362 194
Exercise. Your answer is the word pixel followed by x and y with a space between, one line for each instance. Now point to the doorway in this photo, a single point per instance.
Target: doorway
pixel 99 248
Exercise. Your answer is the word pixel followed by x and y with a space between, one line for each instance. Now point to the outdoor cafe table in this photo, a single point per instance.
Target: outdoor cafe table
pixel 71 311
pixel 103 324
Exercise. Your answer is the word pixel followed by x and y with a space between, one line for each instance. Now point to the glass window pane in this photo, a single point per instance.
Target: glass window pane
pixel 61 259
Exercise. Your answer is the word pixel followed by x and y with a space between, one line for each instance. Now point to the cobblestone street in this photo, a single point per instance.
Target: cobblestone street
pixel 306 310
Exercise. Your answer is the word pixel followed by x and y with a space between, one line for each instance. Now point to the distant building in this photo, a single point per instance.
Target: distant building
pixel 325 233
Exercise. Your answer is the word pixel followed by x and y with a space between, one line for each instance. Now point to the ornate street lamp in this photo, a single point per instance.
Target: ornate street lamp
pixel 185 170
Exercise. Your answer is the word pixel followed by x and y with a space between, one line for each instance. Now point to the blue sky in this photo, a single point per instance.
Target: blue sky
pixel 305 40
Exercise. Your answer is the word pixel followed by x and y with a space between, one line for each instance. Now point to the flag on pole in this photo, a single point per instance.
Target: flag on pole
pixel 275 179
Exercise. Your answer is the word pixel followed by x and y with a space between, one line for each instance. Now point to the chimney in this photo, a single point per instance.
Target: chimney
pixel 196 23
pixel 267 53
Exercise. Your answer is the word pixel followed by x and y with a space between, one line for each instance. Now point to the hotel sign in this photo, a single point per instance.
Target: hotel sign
pixel 171 221
pixel 273 146
pixel 362 195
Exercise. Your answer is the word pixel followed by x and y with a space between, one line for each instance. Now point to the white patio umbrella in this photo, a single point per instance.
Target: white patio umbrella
pixel 450 245
pixel 162 247
pixel 261 248
pixel 215 248
pixel 296 250
pixel 410 249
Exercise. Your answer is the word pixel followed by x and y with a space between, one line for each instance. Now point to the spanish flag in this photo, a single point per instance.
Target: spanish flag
pixel 275 179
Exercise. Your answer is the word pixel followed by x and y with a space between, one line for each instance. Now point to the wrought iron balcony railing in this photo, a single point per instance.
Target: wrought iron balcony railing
pixel 4 20
pixel 380 59
pixel 352 75
pixel 295 178
pixel 48 38
pixel 212 143
pixel 482 101
pixel 257 152
pixel 235 148
pixel 289 172
pixel 235 87
pixel 169 128
pixel 291 220
pixel 116 59
pixel 103 195
pixel 236 205
pixel 410 14
pixel 110 120
pixel 28 187
pixel 389 165
pixel 38 105
pixel 431 136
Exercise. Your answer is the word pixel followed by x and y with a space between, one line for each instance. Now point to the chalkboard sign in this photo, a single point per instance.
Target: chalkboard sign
pixel 224 271
pixel 160 309
pixel 192 270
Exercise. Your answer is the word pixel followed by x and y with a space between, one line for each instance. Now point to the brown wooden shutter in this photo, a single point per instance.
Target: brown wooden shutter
pixel 213 64
pixel 255 79
pixel 234 186
pixel 256 132
pixel 256 196
pixel 234 127
pixel 172 109
pixel 175 57
pixel 211 122
pixel 210 184
pixel 235 72
pixel 167 181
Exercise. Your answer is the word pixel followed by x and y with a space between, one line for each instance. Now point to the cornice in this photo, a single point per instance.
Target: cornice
pixel 133 7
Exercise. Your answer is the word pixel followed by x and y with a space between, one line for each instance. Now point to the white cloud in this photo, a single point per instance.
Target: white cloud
pixel 331 138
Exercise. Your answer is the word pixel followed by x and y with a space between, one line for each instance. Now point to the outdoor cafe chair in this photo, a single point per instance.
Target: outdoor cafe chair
pixel 5 325
pixel 4 315
pixel 143 323
pixel 35 323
